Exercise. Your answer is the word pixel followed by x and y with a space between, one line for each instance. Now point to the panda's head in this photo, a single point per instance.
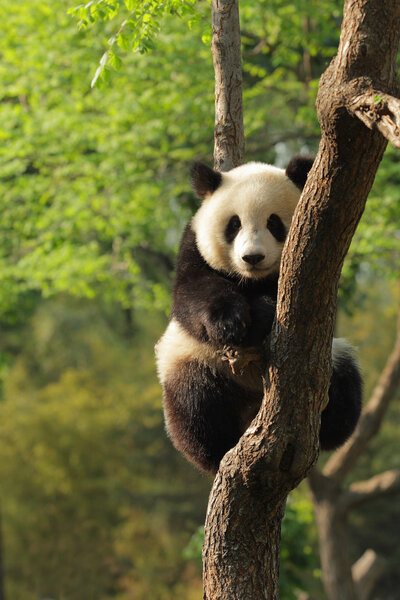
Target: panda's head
pixel 245 215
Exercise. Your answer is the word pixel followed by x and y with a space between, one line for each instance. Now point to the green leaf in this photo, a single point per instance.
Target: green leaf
pixel 130 4
pixel 114 61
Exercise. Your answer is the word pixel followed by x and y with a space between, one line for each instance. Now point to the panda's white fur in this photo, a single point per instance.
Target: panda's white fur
pixel 254 191
pixel 177 346
pixel 342 349
pixel 225 298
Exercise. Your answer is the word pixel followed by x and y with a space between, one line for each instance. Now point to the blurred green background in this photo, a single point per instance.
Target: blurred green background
pixel 95 504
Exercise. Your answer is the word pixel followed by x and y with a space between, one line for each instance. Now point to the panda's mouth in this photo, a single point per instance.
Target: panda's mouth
pixel 254 263
pixel 259 271
pixel 256 271
pixel 252 268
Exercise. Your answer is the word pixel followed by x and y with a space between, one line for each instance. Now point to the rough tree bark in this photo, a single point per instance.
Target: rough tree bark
pixel 333 502
pixel 241 548
pixel 226 51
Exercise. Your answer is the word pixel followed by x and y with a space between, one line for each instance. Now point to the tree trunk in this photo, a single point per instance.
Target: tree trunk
pixel 226 51
pixel 277 451
pixel 231 576
pixel 333 541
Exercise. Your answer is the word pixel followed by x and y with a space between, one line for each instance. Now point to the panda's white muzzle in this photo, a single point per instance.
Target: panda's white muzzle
pixel 255 252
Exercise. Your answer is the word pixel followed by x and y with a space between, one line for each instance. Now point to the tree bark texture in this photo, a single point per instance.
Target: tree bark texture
pixel 242 537
pixel 226 51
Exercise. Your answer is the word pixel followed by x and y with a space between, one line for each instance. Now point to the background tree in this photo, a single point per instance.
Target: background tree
pixel 333 501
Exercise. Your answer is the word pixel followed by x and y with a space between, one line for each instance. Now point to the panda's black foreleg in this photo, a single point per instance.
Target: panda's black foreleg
pixel 341 415
pixel 262 310
pixel 200 408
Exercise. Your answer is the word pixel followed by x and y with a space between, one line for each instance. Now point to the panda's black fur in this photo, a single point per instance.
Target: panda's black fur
pixel 225 297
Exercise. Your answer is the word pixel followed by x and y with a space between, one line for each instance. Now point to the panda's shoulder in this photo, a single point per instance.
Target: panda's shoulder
pixel 190 264
pixel 189 257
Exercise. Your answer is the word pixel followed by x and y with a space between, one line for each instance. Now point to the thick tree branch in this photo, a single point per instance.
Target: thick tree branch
pixel 344 459
pixel 363 491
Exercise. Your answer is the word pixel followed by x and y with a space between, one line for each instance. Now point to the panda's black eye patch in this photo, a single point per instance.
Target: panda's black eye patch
pixel 277 228
pixel 232 228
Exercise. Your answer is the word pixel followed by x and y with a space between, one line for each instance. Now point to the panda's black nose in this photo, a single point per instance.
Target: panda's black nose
pixel 253 259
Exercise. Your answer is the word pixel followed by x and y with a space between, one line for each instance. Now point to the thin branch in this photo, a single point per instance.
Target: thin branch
pixel 366 572
pixel 344 459
pixel 360 492
pixel 380 111
pixel 159 258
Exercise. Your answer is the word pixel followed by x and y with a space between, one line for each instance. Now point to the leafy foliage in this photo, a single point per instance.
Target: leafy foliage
pixel 299 566
pixel 377 241
pixel 93 184
pixel 286 47
pixel 138 29
pixel 87 506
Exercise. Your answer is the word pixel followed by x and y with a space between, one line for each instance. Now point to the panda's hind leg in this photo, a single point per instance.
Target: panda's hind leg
pixel 200 414
pixel 341 415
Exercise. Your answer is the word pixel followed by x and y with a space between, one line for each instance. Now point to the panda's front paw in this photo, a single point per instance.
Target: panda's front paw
pixel 262 312
pixel 228 322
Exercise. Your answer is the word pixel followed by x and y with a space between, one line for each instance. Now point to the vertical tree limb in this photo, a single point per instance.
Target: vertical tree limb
pixel 333 541
pixel 366 572
pixel 226 51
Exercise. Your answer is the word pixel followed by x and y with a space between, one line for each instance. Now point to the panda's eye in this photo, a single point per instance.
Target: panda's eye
pixel 277 228
pixel 232 228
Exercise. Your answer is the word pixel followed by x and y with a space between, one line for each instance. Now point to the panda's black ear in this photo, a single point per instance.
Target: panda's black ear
pixel 204 179
pixel 298 168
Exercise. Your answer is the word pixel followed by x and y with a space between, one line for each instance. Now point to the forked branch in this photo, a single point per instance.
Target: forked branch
pixel 362 491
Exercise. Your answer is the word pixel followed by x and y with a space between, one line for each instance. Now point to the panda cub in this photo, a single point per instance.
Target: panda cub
pixel 224 296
